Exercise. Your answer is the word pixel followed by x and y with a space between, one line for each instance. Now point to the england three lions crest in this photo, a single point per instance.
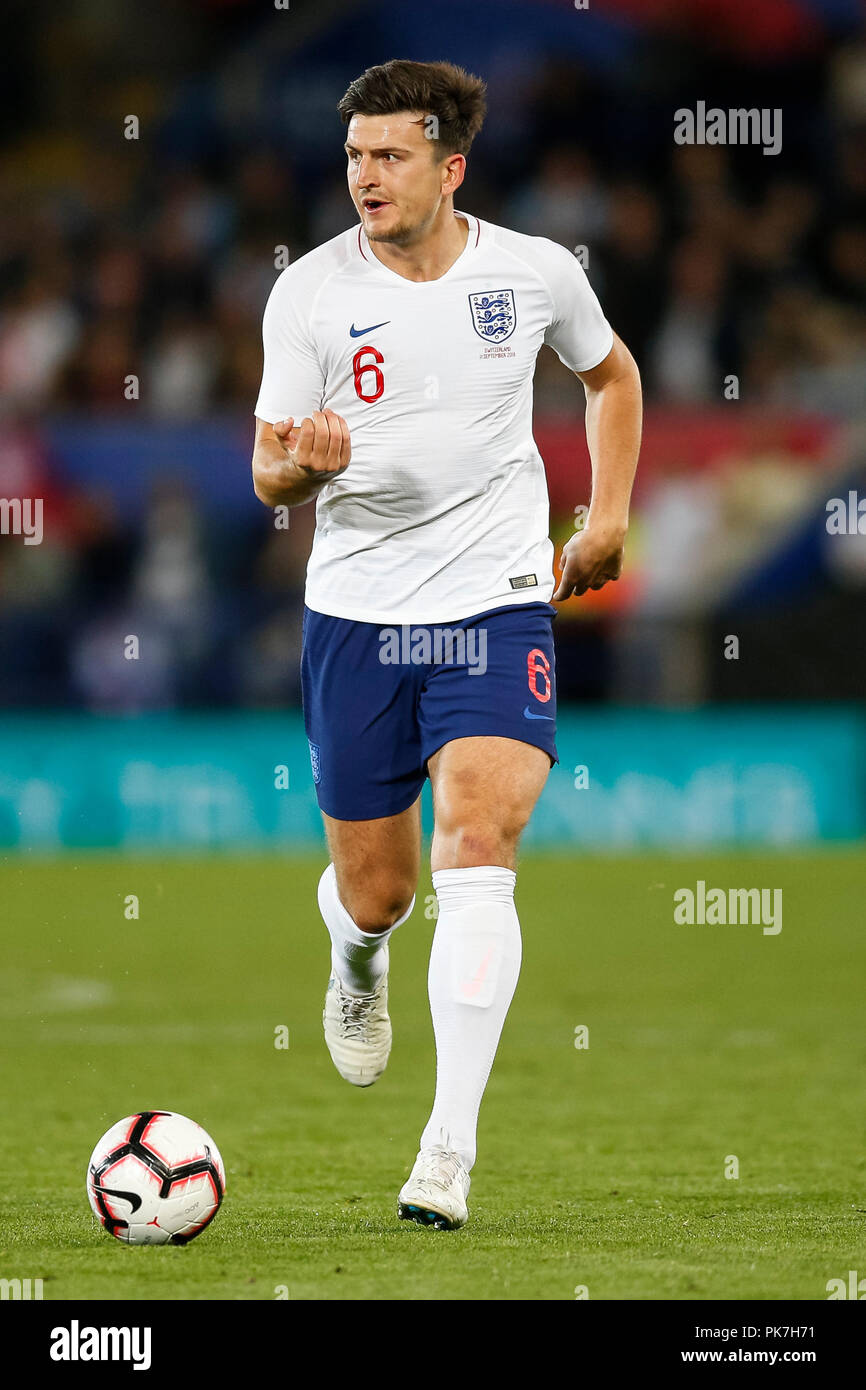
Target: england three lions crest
pixel 494 315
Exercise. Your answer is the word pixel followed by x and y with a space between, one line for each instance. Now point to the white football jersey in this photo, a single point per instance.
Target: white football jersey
pixel 443 510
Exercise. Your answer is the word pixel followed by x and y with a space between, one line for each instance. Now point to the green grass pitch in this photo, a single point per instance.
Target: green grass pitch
pixel 600 1167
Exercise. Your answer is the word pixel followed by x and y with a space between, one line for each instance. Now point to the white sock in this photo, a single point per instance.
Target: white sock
pixel 474 965
pixel 357 956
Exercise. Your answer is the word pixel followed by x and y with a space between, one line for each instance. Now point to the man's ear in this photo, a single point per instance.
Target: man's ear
pixel 456 169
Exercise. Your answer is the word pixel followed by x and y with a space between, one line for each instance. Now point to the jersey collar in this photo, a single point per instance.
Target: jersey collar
pixel 376 265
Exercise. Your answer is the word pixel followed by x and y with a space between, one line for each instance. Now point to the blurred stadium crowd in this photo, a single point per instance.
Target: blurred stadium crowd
pixel 155 255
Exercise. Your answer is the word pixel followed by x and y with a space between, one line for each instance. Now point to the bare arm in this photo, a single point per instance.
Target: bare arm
pixel 613 430
pixel 291 463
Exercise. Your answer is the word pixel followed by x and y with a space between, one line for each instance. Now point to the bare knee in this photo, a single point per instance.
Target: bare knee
pixel 377 864
pixel 466 846
pixel 374 905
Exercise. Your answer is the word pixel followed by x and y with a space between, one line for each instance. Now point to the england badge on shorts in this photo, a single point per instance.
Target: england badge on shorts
pixel 494 315
pixel 315 763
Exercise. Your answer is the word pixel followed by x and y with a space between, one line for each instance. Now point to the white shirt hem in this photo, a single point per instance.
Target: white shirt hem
pixel 541 594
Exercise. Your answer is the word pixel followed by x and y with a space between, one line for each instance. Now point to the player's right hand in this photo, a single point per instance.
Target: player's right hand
pixel 319 447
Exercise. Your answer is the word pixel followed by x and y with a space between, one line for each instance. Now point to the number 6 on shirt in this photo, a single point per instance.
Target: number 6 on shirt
pixel 360 367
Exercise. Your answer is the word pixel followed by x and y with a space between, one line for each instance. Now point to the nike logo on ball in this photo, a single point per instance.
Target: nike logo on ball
pixel 359 332
pixel 131 1197
pixel 528 714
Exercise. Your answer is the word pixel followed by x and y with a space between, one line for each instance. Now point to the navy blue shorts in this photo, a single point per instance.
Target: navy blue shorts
pixel 379 701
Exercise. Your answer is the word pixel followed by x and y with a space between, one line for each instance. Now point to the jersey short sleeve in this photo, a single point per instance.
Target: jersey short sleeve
pixel 578 331
pixel 292 378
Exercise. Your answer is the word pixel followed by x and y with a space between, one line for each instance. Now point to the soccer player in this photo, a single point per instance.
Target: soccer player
pixel 397 392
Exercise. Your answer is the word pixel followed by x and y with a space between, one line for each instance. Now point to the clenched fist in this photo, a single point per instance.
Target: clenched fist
pixel 292 463
pixel 319 446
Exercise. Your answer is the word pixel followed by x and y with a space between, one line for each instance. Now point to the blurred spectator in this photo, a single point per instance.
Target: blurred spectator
pixel 39 327
pixel 564 201
pixel 631 266
pixel 181 368
pixel 686 357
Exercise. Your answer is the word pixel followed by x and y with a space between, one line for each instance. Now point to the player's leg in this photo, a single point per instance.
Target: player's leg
pixel 492 741
pixel 367 891
pixel 484 791
pixel 377 864
pixel 368 770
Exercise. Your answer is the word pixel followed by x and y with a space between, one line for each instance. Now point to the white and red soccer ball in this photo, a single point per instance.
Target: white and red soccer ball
pixel 156 1178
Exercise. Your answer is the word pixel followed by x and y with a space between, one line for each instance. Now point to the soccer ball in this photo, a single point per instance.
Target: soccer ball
pixel 156 1178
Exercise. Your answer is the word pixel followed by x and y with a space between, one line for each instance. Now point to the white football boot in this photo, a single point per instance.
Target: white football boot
pixel 358 1030
pixel 436 1190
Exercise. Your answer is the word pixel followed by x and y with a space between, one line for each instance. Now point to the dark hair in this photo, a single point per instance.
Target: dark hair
pixel 452 95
